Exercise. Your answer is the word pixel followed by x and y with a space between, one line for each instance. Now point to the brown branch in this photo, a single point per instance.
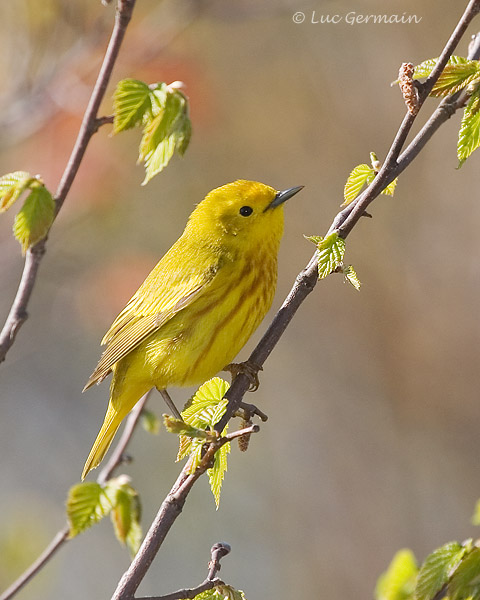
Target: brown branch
pixel 218 551
pixel 169 511
pixel 18 312
pixel 116 459
pixel 35 567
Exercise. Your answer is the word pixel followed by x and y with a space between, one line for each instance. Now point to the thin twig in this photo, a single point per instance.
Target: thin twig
pixel 218 551
pixel 169 511
pixel 18 312
pixel 35 567
pixel 116 459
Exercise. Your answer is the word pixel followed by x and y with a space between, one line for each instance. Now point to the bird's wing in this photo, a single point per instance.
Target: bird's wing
pixel 164 293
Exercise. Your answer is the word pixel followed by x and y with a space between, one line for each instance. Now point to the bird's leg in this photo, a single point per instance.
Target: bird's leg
pixel 248 368
pixel 170 404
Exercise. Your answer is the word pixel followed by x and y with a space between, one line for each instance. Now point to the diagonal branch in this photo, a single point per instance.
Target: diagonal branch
pixel 18 312
pixel 105 474
pixel 169 511
pixel 346 219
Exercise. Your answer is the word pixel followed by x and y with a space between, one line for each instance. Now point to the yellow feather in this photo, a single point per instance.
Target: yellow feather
pixel 199 305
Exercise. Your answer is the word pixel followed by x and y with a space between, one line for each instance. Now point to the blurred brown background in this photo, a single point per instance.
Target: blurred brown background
pixel 372 441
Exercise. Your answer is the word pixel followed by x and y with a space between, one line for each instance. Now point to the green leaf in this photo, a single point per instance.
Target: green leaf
pixel 364 175
pixel 217 473
pixel 131 101
pixel 181 428
pixel 230 593
pixel 469 134
pixel 202 412
pixel 465 582
pixel 158 159
pixel 150 421
pixel 351 276
pixel 359 176
pixel 183 135
pixel 390 189
pixel 35 217
pixel 87 503
pixel 126 512
pixel 398 581
pixel 168 130
pixel 221 592
pixel 330 254
pixel 437 569
pixel 457 74
pixel 11 187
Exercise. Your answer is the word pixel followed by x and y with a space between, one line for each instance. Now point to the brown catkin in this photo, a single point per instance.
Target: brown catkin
pixel 407 85
pixel 244 440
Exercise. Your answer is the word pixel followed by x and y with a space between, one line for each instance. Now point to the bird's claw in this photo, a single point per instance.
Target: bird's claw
pixel 248 368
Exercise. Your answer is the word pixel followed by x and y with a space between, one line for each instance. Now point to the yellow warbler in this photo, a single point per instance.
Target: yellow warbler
pixel 198 306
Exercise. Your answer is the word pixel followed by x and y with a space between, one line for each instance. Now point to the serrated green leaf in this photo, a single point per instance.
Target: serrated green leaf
pixel 469 134
pixel 203 411
pixel 390 189
pixel 126 512
pixel 35 217
pixel 12 186
pixel 398 581
pixel 182 428
pixel 87 503
pixel 229 593
pixel 425 68
pixel 131 101
pixel 150 421
pixel 330 253
pixel 158 159
pixel 212 594
pixel 359 176
pixel 457 74
pixel 351 276
pixel 465 582
pixel 134 538
pixel 168 130
pixel 436 570
pixel 315 239
pixel 162 124
pixel 183 135
pixel 217 473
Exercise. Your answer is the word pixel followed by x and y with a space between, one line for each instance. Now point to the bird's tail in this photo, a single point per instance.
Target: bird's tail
pixel 112 421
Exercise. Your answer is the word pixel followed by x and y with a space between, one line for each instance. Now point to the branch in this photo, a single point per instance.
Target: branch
pixel 116 459
pixel 218 551
pixel 18 312
pixel 346 219
pixel 47 554
pixel 169 511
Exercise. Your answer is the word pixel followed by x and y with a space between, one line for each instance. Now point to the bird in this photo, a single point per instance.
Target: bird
pixel 198 306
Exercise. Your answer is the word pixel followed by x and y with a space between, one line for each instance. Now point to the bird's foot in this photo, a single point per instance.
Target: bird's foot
pixel 248 368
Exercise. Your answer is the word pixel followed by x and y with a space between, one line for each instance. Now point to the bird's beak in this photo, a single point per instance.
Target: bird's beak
pixel 281 197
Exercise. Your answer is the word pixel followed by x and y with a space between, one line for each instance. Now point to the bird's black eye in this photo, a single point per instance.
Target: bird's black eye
pixel 246 211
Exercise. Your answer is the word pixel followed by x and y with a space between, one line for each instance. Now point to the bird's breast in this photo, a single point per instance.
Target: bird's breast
pixel 207 335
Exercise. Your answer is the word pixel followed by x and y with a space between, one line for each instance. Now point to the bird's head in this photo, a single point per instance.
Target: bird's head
pixel 243 210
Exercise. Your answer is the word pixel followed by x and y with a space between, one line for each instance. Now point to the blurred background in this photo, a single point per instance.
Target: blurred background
pixel 373 397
